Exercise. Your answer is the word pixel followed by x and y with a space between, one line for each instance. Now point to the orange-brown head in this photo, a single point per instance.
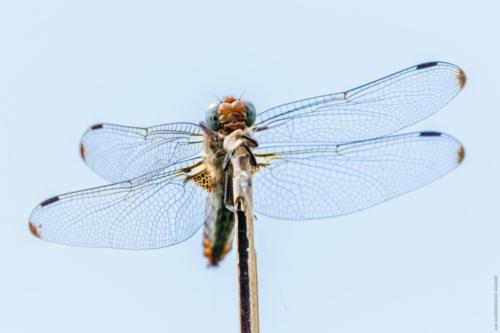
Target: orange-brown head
pixel 230 114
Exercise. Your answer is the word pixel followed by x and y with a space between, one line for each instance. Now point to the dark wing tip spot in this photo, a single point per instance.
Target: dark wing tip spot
pixel 430 133
pixel 49 201
pixel 82 151
pixel 462 78
pixel 460 154
pixel 35 230
pixel 96 127
pixel 427 65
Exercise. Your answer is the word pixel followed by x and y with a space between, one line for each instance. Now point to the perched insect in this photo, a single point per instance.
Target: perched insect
pixel 314 158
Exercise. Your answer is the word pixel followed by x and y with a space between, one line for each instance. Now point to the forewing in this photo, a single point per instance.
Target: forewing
pixel 118 153
pixel 369 111
pixel 152 211
pixel 320 181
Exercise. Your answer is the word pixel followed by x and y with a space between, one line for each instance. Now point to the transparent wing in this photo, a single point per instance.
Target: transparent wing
pixel 369 111
pixel 319 181
pixel 118 153
pixel 152 211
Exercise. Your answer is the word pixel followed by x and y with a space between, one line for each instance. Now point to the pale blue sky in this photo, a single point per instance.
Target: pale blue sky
pixel 420 263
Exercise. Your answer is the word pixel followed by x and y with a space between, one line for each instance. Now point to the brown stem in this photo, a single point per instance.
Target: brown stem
pixel 247 258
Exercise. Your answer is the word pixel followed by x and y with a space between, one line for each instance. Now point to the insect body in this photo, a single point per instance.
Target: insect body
pixel 231 117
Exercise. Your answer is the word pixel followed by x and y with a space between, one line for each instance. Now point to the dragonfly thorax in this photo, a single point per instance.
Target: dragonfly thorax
pixel 230 114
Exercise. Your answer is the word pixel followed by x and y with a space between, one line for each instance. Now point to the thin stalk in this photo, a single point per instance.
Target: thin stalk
pixel 247 258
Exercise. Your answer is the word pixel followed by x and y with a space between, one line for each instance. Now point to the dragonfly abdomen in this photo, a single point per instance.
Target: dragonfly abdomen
pixel 218 235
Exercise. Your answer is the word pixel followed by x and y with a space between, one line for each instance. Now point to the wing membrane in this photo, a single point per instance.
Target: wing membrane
pixel 152 211
pixel 118 153
pixel 375 109
pixel 319 181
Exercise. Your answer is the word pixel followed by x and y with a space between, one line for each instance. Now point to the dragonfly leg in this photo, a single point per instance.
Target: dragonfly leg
pixel 251 156
pixel 227 160
pixel 235 140
pixel 228 192
pixel 250 142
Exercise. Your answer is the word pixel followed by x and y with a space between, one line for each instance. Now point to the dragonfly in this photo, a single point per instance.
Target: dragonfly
pixel 313 158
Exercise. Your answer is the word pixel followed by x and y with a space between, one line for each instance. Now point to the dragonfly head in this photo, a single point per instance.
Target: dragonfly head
pixel 230 114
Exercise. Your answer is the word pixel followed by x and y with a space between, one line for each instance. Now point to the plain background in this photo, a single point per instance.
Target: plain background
pixel 423 262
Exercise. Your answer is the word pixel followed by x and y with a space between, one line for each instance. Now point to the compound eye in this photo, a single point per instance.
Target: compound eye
pixel 251 113
pixel 212 117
